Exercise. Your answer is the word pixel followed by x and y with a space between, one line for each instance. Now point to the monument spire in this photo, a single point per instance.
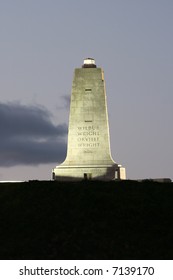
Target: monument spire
pixel 88 147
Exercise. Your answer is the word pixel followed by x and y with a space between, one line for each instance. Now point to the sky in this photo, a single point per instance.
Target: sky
pixel 43 41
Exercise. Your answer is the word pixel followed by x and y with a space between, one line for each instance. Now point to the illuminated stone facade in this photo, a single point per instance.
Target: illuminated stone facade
pixel 88 150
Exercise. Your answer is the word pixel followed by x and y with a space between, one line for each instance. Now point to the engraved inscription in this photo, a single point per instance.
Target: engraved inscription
pixel 89 133
pixel 88 145
pixel 88 139
pixel 88 127
pixel 88 136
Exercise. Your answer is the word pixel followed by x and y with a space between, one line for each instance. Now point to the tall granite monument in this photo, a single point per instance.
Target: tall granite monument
pixel 88 150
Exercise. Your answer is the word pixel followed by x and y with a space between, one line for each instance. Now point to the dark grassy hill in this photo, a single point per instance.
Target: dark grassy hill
pixel 86 220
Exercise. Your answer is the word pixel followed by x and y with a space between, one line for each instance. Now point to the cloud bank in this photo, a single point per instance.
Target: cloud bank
pixel 29 137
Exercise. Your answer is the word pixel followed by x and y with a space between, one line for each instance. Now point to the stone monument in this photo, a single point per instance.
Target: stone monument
pixel 88 149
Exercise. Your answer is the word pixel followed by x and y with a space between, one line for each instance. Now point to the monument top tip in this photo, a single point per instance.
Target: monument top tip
pixel 89 63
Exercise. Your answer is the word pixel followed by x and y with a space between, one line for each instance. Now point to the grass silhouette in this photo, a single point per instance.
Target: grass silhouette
pixel 86 220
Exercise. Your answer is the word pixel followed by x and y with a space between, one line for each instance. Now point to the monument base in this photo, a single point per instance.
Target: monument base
pixel 79 173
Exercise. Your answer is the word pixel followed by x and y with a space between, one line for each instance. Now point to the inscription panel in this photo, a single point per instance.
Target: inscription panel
pixel 88 136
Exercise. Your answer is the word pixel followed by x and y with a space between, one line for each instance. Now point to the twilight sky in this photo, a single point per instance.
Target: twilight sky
pixel 42 41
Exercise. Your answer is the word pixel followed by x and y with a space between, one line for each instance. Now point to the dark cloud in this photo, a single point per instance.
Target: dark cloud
pixel 28 136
